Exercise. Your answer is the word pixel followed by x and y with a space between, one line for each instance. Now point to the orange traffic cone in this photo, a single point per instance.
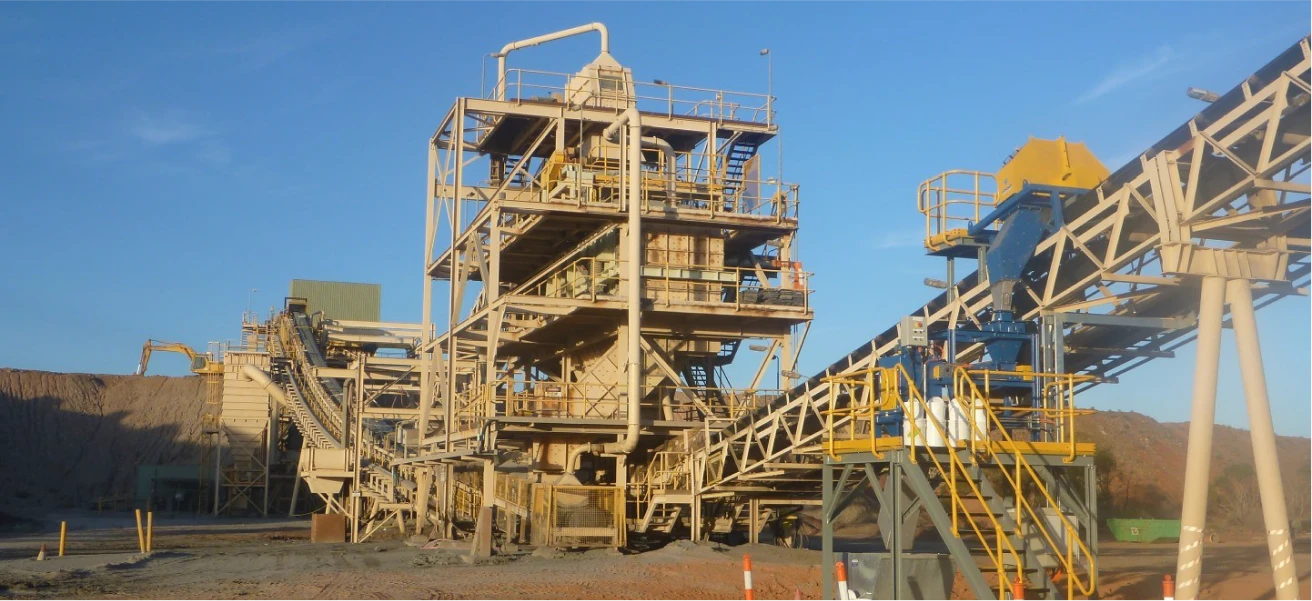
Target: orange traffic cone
pixel 41 556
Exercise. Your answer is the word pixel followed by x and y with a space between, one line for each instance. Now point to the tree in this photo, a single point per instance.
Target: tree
pixel 1236 500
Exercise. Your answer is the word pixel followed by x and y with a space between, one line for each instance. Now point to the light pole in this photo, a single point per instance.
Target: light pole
pixel 249 295
pixel 769 85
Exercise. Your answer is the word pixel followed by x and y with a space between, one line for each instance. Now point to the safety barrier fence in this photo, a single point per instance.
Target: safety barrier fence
pixel 578 516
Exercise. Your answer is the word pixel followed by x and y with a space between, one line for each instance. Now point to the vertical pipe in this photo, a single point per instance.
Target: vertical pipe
pixel 635 280
pixel 828 497
pixel 218 466
pixel 449 383
pixel 1264 439
pixel 952 297
pixel 426 356
pixel 356 497
pixel 895 486
pixel 633 248
pixel 1197 472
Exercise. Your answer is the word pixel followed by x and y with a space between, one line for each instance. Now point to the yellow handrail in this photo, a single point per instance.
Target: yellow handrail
pixel 963 383
pixel 890 396
pixel 889 384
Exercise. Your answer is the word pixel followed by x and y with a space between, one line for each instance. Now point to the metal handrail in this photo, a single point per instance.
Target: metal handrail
pixel 889 383
pixel 936 197
pixel 666 99
pixel 962 376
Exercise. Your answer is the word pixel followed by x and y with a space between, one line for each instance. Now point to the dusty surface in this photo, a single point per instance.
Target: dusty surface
pixel 70 438
pixel 273 559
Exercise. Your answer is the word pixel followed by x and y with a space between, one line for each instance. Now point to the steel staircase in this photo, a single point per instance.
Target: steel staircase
pixel 736 155
pixel 1010 529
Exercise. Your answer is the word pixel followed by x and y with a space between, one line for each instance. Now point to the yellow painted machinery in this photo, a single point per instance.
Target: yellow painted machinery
pixel 201 364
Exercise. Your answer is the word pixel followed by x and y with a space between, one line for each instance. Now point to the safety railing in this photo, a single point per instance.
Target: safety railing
pixel 882 386
pixel 691 186
pixel 669 284
pixel 584 278
pixel 608 92
pixel 1056 412
pixel 741 287
pixel 593 400
pixel 964 387
pixel 953 201
pixel 879 389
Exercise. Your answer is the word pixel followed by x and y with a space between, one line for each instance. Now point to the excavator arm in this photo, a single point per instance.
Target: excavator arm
pixel 198 362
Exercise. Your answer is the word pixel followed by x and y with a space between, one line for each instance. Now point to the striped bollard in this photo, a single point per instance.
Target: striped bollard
pixel 840 573
pixel 747 577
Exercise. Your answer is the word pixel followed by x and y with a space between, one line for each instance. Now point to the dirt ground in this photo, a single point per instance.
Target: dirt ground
pixel 272 559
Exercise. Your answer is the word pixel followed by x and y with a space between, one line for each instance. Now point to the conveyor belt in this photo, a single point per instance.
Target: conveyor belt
pixel 1076 280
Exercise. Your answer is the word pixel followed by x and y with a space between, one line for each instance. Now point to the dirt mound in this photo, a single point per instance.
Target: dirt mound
pixel 71 438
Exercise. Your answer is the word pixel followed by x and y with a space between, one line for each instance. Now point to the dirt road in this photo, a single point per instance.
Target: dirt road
pixel 273 560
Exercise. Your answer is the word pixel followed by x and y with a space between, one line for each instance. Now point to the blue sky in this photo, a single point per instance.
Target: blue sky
pixel 157 155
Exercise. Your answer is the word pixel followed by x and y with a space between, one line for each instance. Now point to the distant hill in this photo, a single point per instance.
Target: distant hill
pixel 1149 459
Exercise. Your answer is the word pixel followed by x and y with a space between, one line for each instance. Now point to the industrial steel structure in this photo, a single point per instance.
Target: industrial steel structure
pixel 604 248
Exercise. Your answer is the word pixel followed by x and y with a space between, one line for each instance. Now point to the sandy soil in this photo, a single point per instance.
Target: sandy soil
pixel 208 558
pixel 71 438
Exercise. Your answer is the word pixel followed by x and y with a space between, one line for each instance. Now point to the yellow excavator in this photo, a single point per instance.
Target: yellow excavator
pixel 202 364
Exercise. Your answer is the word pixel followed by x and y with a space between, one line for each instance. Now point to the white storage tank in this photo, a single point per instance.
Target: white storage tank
pixel 913 423
pixel 959 417
pixel 934 434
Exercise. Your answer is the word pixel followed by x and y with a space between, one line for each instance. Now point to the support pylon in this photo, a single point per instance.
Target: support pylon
pixel 1264 439
pixel 1198 463
pixel 1216 291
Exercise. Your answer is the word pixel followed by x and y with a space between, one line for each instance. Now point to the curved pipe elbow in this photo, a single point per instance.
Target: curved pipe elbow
pixel 550 37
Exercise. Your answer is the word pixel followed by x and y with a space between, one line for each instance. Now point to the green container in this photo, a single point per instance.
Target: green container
pixel 1144 531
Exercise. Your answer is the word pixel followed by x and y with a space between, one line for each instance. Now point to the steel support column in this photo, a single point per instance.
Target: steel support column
pixel 1264 439
pixel 829 496
pixel 1197 473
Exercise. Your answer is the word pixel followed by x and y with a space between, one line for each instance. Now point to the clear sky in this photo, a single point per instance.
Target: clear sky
pixel 161 160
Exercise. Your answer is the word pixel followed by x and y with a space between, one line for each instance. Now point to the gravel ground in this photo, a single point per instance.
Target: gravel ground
pixel 272 559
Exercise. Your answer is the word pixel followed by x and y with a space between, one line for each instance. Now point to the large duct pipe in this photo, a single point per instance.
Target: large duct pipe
pixel 633 119
pixel 550 37
pixel 257 375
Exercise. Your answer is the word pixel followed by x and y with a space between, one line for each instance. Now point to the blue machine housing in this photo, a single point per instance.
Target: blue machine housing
pixel 1027 217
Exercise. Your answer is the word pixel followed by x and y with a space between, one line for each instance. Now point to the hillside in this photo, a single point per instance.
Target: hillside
pixel 1149 460
pixel 69 438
